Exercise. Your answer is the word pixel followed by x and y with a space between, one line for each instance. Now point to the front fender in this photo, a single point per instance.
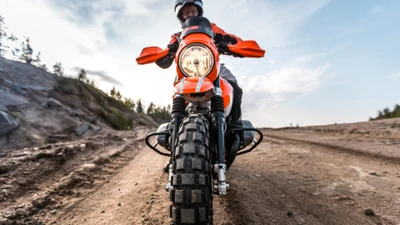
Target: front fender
pixel 192 85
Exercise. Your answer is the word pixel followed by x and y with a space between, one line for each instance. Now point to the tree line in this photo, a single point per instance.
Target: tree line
pixel 387 113
pixel 25 53
pixel 158 113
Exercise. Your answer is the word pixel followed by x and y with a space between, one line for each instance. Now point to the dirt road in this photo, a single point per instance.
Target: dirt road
pixel 282 182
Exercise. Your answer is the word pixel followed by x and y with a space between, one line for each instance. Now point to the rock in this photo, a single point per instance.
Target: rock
pixel 3 180
pixel 90 119
pixel 45 147
pixel 82 129
pixel 21 213
pixel 82 146
pixel 53 212
pixel 4 221
pixel 289 214
pixel 119 204
pixel 20 154
pixel 18 90
pixel 373 173
pixel 7 186
pixel 96 129
pixel 54 103
pixel 4 168
pixel 89 167
pixel 9 214
pixel 7 123
pixel 74 113
pixel 369 212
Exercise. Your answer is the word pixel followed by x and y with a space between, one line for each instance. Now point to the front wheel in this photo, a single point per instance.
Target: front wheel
pixel 191 194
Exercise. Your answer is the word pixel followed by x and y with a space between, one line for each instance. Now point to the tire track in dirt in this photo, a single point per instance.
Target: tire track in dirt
pixel 281 182
pixel 285 182
pixel 337 148
pixel 135 195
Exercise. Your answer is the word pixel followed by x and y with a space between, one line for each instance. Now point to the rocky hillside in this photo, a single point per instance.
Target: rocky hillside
pixel 37 108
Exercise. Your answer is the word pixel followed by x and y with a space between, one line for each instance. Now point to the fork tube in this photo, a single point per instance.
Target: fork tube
pixel 217 110
pixel 178 113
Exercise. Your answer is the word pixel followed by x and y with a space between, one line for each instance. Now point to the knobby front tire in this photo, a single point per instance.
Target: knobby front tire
pixel 191 194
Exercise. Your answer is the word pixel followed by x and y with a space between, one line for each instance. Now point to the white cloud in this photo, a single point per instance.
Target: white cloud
pixel 395 76
pixel 274 88
pixel 103 36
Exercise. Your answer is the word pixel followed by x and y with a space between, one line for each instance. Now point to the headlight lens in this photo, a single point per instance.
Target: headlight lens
pixel 196 61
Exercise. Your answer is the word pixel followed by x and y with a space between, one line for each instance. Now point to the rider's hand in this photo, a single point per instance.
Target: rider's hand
pixel 173 48
pixel 223 47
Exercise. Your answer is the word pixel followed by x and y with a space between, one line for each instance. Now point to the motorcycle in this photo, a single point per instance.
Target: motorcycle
pixel 200 140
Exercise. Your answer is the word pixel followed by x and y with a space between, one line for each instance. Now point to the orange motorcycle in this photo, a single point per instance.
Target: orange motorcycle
pixel 199 140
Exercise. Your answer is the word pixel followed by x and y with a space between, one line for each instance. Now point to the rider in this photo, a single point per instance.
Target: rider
pixel 185 9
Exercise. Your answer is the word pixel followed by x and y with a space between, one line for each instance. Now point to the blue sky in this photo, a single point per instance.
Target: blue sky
pixel 327 61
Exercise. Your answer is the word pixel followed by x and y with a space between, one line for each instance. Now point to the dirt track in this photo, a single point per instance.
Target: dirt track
pixel 282 182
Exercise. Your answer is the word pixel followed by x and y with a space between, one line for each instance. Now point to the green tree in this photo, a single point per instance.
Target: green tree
pixel 396 110
pixel 2 35
pixel 386 112
pixel 82 75
pixel 118 95
pixel 113 92
pixel 27 51
pixel 129 103
pixel 150 109
pixel 58 69
pixel 139 106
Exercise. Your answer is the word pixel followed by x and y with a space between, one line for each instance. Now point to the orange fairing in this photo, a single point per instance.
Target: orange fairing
pixel 247 49
pixel 151 54
pixel 227 95
pixel 191 85
pixel 195 85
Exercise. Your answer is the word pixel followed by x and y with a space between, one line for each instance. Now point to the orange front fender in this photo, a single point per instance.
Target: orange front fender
pixel 191 85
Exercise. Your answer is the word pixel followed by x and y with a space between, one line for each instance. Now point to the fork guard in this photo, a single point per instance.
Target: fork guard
pixel 240 131
pixel 153 146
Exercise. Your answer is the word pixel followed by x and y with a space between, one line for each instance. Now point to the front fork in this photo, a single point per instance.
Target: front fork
pixel 178 113
pixel 218 115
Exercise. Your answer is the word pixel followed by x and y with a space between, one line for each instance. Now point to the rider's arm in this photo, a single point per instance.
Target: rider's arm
pixel 221 36
pixel 166 61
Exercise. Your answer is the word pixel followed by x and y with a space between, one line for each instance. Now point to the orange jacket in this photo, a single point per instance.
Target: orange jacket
pixel 219 36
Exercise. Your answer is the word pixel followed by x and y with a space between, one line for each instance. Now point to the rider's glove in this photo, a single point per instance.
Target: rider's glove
pixel 173 48
pixel 224 49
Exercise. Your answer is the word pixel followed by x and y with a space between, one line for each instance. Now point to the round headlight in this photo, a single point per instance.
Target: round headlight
pixel 196 61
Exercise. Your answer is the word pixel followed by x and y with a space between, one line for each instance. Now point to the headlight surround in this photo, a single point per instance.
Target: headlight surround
pixel 196 60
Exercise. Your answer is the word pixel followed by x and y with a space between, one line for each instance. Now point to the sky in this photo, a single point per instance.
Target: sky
pixel 326 61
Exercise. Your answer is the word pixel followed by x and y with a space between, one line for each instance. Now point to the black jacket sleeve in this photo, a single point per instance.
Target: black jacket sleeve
pixel 166 61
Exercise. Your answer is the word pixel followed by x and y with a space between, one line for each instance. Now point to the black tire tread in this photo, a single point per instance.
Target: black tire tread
pixel 191 201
